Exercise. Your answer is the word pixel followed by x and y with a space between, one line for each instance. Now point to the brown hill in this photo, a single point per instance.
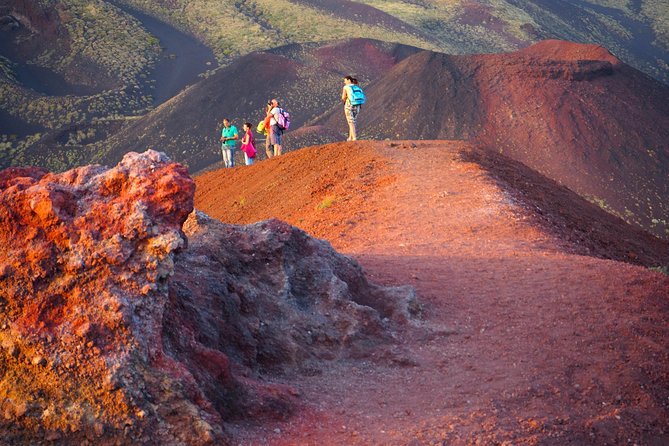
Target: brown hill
pixel 530 335
pixel 305 78
pixel 573 112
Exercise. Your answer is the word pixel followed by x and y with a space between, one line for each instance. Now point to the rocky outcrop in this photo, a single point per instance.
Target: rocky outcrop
pixel 271 301
pixel 120 327
pixel 290 300
pixel 83 284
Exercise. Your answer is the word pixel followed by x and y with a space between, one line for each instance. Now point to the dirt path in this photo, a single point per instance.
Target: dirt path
pixel 521 343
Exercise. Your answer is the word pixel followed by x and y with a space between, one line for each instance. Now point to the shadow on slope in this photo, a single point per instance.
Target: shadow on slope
pixel 583 227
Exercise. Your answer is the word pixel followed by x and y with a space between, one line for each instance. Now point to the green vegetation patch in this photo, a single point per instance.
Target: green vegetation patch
pixel 6 69
pixel 232 27
pixel 656 12
pixel 326 203
pixel 660 269
pixel 102 35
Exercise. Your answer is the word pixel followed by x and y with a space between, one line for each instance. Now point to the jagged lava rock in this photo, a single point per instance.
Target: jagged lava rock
pixel 271 301
pixel 114 331
pixel 289 300
pixel 84 261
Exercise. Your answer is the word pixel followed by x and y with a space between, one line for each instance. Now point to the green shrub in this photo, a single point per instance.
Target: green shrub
pixel 660 269
pixel 327 202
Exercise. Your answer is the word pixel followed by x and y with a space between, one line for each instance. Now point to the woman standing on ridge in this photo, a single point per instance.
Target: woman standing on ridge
pixel 353 98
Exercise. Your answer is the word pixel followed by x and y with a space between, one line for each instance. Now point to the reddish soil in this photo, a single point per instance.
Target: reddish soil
pixel 523 339
pixel 573 112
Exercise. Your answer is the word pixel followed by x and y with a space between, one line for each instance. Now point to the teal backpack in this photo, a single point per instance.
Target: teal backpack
pixel 357 95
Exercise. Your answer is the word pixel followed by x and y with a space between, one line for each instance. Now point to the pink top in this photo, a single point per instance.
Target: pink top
pixel 247 145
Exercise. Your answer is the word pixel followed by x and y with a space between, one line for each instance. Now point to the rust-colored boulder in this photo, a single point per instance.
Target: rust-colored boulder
pixel 116 330
pixel 84 262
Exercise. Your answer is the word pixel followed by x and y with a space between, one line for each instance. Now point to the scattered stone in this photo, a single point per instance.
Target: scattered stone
pixel 53 436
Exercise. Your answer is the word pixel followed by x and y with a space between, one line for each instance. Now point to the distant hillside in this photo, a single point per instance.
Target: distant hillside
pixel 637 32
pixel 71 71
pixel 65 63
pixel 573 112
pixel 307 80
pixel 74 71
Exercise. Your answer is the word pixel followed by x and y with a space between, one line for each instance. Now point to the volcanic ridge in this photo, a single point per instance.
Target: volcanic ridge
pixel 536 327
pixel 128 321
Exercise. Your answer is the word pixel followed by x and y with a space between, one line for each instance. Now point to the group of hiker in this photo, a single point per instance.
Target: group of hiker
pixel 277 121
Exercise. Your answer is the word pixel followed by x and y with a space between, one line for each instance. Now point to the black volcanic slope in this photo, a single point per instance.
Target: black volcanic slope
pixel 305 78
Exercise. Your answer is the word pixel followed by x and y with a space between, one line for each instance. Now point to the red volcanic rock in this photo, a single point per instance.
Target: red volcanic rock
pixel 113 331
pixel 266 300
pixel 83 283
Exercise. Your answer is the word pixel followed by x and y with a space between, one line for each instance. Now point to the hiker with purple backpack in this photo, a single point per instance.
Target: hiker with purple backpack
pixel 279 122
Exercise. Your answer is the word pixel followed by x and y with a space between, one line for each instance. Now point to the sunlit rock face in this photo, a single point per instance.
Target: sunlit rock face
pixel 117 329
pixel 85 260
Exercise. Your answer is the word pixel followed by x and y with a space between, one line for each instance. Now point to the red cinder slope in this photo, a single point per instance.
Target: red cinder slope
pixel 581 117
pixel 573 112
pixel 536 327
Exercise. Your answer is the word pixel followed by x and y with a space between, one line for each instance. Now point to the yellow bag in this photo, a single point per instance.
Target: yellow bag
pixel 261 126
